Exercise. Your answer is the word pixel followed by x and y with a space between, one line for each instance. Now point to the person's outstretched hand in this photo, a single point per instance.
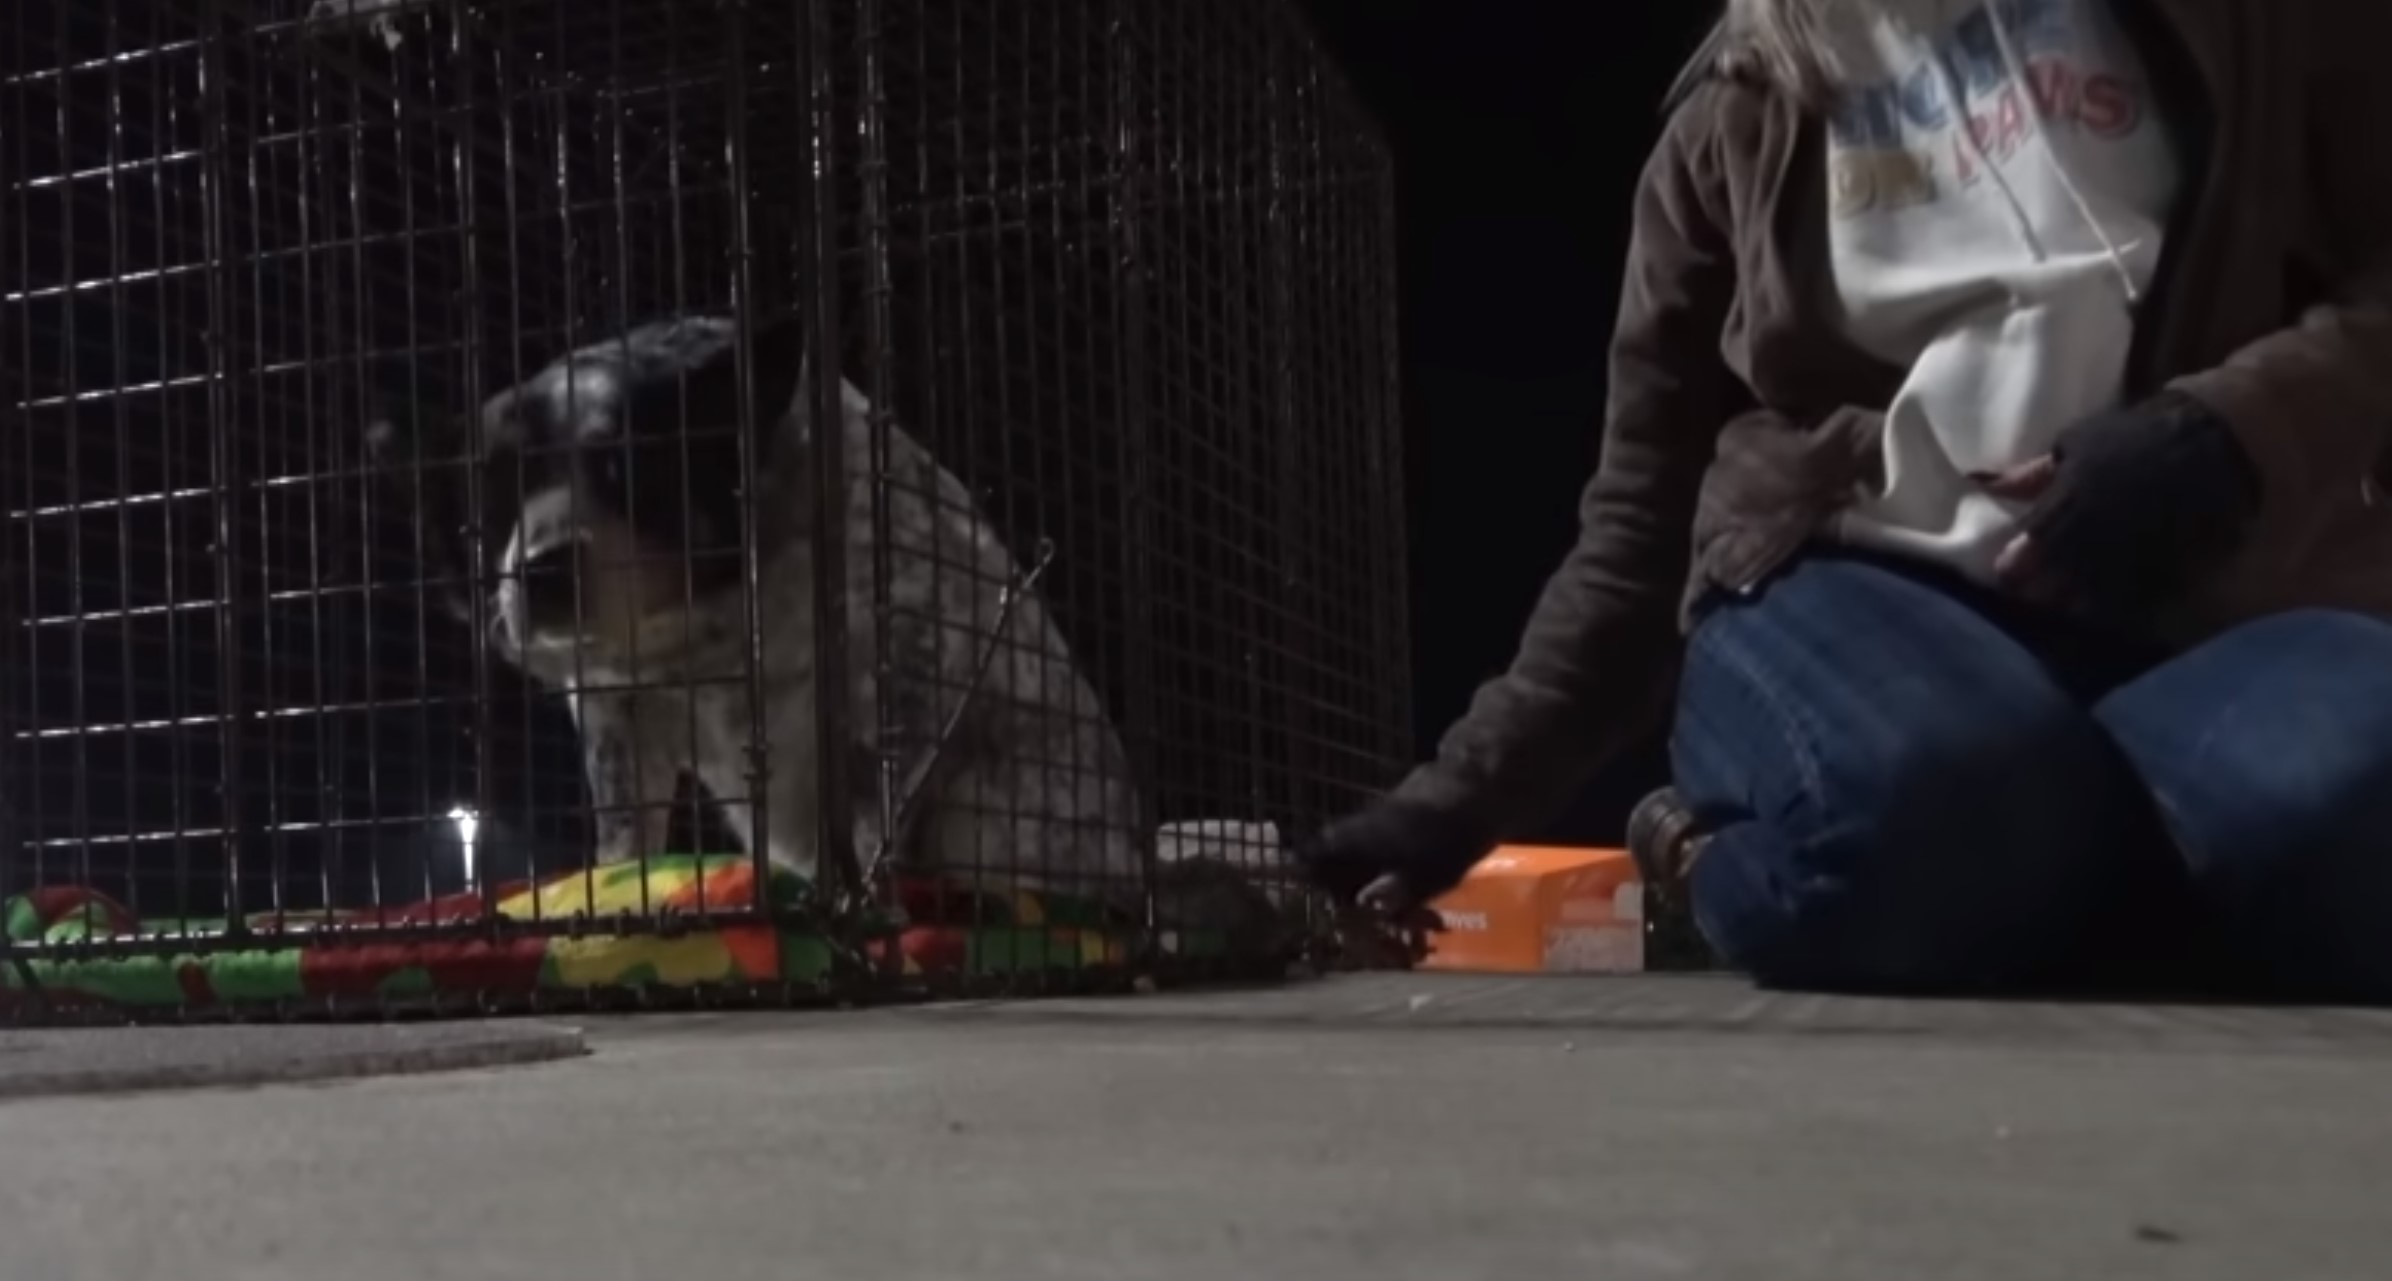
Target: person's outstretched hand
pixel 1391 855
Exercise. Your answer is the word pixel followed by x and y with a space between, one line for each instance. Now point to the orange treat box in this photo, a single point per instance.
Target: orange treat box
pixel 1543 909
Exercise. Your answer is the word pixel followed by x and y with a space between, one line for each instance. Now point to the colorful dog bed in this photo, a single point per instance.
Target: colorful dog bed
pixel 322 955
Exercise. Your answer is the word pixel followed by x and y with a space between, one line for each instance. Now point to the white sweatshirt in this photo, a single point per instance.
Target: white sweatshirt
pixel 1999 262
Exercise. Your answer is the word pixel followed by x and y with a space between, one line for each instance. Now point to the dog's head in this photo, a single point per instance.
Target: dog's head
pixel 609 481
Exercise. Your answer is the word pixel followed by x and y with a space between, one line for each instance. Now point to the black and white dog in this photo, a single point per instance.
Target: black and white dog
pixel 613 575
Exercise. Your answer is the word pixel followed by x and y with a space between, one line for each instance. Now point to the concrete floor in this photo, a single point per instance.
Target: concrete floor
pixel 39 1062
pixel 1389 1127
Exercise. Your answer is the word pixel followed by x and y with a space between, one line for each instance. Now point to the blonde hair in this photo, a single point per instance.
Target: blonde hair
pixel 1789 43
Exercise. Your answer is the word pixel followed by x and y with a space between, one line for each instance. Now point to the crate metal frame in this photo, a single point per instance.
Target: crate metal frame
pixel 1123 266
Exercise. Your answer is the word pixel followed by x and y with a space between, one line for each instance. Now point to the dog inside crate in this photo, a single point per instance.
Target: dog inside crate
pixel 644 550
pixel 612 482
pixel 494 524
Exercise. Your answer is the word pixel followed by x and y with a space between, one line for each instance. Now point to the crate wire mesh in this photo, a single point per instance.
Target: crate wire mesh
pixel 1108 282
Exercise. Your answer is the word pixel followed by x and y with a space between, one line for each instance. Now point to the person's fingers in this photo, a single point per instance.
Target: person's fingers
pixel 2027 572
pixel 1389 893
pixel 1395 904
pixel 1388 858
pixel 2023 483
pixel 2018 563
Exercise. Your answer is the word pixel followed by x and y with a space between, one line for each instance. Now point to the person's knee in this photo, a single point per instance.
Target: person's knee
pixel 2271 757
pixel 1899 790
pixel 1952 854
pixel 2263 817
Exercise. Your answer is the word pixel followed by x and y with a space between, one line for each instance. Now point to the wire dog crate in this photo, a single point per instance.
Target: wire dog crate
pixel 963 544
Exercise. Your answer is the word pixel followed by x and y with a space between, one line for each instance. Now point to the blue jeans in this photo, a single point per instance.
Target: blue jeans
pixel 1914 786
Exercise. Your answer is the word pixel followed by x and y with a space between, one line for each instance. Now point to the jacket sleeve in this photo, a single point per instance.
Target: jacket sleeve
pixel 1597 662
pixel 2312 402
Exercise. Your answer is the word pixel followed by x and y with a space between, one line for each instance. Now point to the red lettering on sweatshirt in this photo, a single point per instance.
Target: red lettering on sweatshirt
pixel 2108 107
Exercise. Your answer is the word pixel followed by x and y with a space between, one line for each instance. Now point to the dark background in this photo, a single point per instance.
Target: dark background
pixel 1519 127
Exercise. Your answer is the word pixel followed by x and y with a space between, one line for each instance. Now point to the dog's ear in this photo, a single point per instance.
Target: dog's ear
pixel 777 348
pixel 692 376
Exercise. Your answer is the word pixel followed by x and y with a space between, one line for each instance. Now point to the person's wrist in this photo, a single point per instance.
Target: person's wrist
pixel 2205 457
